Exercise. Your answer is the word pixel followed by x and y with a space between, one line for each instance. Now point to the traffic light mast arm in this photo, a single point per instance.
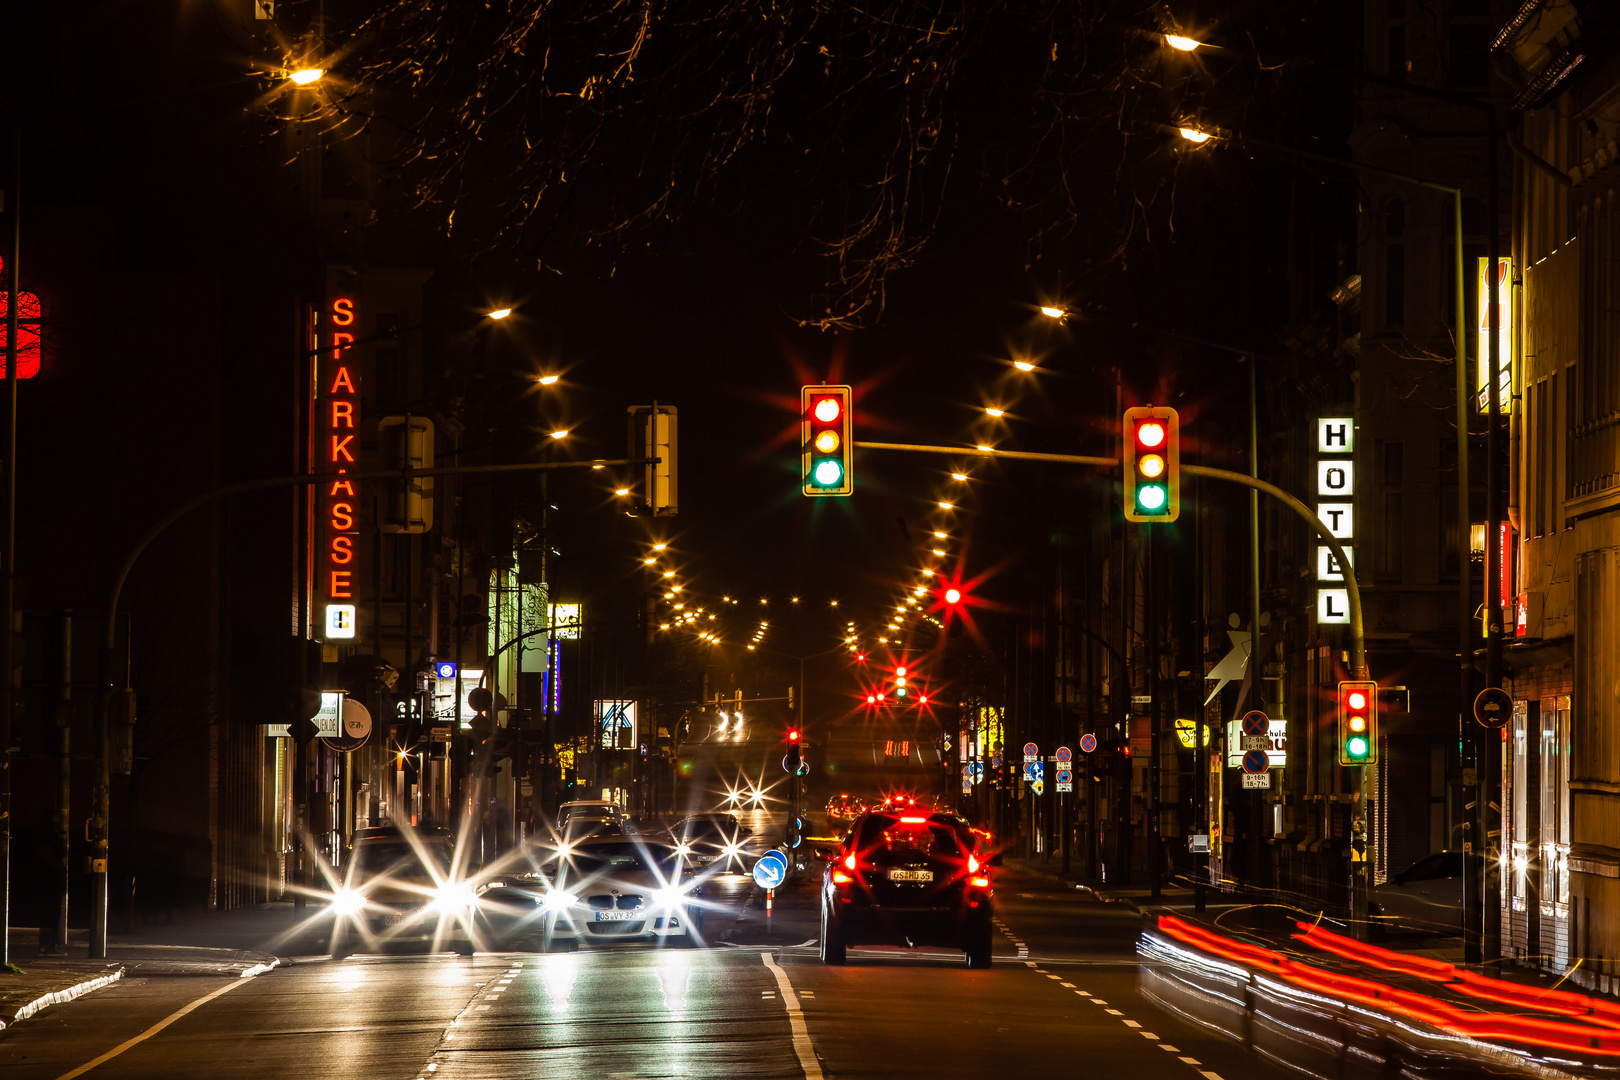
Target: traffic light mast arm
pixel 1358 653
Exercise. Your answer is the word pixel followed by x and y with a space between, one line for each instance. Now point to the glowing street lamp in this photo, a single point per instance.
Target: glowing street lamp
pixel 1182 44
pixel 500 313
pixel 306 76
pixel 1193 135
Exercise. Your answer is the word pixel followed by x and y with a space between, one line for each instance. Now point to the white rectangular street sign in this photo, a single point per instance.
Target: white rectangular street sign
pixel 1327 567
pixel 1257 742
pixel 1339 517
pixel 1332 605
pixel 1257 780
pixel 1336 435
pixel 1336 478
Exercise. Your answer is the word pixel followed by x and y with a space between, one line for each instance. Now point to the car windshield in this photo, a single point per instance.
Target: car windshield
pixel 621 858
pixel 399 859
pixel 704 831
pixel 907 837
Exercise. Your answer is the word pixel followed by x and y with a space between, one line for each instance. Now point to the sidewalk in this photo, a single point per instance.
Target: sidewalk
pixel 232 945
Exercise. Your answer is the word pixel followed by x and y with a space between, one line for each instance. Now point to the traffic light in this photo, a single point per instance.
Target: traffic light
pixel 1152 464
pixel 825 432
pixel 1358 722
pixel 793 752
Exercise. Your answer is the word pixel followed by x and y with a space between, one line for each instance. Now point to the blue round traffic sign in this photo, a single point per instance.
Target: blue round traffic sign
pixel 1255 761
pixel 1031 751
pixel 1064 754
pixel 1088 743
pixel 771 870
pixel 1255 723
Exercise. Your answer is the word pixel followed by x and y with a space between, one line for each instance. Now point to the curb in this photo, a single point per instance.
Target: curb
pixel 8 1017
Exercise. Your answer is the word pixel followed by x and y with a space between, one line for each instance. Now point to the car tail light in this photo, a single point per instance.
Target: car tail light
pixel 849 861
pixel 979 882
pixel 841 878
pixel 973 865
pixel 914 820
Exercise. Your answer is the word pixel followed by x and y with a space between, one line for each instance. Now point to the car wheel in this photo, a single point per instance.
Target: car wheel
pixel 341 949
pixel 463 947
pixel 977 951
pixel 832 939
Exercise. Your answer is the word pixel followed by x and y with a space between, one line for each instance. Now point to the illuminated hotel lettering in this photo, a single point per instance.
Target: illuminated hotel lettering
pixel 341 408
pixel 1335 480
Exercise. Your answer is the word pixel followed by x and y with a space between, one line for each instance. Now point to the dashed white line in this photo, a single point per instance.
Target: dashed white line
pixel 1113 1012
pixel 1167 1046
pixel 1207 1075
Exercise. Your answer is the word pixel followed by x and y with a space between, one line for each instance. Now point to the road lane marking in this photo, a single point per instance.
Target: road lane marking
pixel 1192 1061
pixel 151 1031
pixel 1131 1024
pixel 1068 985
pixel 1167 1046
pixel 1113 1012
pixel 1148 1035
pixel 801 1032
pixel 1207 1075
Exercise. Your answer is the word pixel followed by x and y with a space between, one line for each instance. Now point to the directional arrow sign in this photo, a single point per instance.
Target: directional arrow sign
pixel 771 870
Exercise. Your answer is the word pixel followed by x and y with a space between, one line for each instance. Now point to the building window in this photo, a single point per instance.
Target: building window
pixel 1394 263
pixel 1392 509
pixel 389 374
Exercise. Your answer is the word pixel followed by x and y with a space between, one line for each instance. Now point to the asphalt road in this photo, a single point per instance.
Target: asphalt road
pixel 1061 998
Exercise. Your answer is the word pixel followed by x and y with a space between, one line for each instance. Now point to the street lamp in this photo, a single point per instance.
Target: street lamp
pixel 1182 44
pixel 306 76
pixel 546 380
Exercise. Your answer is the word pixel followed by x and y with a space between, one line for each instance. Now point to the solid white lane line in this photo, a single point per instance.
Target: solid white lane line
pixel 151 1031
pixel 801 1032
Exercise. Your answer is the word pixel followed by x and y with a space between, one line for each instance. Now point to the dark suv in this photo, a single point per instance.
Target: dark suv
pixel 907 879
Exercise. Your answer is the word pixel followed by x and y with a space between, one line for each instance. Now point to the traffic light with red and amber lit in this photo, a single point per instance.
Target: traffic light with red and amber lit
pixel 827 465
pixel 1152 464
pixel 1358 723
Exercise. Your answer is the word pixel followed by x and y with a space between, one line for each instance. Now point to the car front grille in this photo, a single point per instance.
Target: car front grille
pixel 627 902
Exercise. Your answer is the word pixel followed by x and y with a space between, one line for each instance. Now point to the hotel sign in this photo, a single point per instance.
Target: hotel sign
pixel 1336 508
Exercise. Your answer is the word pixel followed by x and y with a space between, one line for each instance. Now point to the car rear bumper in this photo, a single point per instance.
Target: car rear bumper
pixel 865 924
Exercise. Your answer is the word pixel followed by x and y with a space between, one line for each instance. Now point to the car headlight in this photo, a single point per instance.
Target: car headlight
pixel 557 900
pixel 733 850
pixel 454 896
pixel 668 897
pixel 347 902
pixel 683 850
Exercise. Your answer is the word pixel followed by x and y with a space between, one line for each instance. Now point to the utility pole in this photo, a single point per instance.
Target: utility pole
pixel 13 209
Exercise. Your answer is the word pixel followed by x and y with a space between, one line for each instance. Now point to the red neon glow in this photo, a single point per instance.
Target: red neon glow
pixel 1599 1035
pixel 28 330
pixel 340 415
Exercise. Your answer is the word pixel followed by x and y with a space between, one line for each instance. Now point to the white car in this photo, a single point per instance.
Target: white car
pixel 618 888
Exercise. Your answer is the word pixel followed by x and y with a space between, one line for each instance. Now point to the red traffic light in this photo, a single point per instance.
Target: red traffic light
pixel 1150 433
pixel 793 735
pixel 953 596
pixel 827 409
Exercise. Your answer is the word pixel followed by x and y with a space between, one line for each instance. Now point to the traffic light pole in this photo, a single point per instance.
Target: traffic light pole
pixel 101 809
pixel 1358 655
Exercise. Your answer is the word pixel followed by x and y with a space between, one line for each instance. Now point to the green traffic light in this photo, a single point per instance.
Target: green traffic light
pixel 1356 746
pixel 828 474
pixel 1151 497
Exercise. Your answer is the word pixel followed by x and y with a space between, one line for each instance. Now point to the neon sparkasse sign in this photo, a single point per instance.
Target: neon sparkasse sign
pixel 340 413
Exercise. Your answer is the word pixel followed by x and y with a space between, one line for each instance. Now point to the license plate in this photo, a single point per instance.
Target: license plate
pixel 395 919
pixel 911 875
pixel 614 915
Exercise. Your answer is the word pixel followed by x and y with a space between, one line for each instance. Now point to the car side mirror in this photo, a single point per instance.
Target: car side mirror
pixel 826 854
